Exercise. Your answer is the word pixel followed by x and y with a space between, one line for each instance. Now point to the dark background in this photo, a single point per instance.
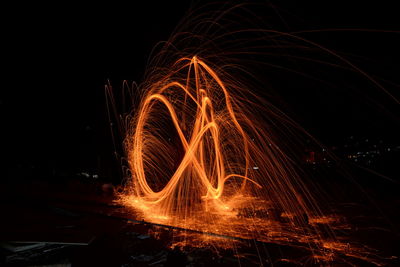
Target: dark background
pixel 58 57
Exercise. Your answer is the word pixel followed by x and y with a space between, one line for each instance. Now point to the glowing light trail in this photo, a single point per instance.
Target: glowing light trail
pixel 200 159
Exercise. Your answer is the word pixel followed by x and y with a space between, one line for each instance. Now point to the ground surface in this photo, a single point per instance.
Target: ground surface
pixel 76 223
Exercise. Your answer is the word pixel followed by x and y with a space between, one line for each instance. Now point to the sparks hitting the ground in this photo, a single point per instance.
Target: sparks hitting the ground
pixel 225 155
pixel 200 160
pixel 210 155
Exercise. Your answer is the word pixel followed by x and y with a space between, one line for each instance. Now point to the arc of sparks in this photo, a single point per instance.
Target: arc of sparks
pixel 194 146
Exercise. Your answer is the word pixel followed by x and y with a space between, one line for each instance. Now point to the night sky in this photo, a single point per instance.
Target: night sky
pixel 58 58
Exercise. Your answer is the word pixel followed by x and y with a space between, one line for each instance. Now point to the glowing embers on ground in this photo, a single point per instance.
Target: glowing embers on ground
pixel 200 159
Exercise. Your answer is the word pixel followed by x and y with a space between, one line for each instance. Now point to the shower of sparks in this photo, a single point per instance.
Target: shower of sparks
pixel 200 159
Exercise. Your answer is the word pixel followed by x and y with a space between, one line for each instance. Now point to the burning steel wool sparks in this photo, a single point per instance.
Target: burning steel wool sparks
pixel 213 160
pixel 219 145
pixel 201 160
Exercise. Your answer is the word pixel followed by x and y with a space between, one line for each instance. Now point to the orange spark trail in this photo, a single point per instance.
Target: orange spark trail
pixel 216 158
pixel 200 159
pixel 207 178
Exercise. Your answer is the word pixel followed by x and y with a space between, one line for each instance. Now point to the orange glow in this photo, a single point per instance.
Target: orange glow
pixel 195 171
pixel 200 159
pixel 221 160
